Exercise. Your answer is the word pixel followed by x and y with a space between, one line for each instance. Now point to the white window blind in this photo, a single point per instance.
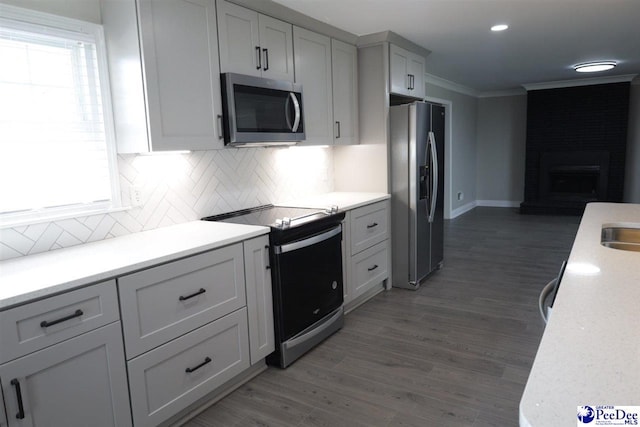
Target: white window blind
pixel 56 154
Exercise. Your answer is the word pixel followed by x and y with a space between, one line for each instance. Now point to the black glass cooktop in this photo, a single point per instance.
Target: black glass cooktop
pixel 280 217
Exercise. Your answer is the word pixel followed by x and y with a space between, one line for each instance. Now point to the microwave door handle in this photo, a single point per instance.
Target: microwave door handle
pixel 434 174
pixel 286 112
pixel 296 107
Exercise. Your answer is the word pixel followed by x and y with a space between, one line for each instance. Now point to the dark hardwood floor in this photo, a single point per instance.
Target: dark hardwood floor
pixel 457 352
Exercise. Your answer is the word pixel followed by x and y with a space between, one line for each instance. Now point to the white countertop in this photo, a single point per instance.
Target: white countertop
pixel 344 200
pixel 37 276
pixel 590 351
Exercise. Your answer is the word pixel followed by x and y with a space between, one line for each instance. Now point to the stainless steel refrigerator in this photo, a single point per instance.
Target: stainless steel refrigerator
pixel 417 196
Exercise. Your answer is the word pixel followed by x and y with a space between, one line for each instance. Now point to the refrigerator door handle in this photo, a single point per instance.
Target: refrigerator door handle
pixel 434 174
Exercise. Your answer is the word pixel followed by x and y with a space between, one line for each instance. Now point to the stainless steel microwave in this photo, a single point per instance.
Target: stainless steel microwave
pixel 259 111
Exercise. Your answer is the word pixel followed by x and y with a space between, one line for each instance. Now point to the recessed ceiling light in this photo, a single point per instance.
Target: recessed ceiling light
pixel 592 67
pixel 499 27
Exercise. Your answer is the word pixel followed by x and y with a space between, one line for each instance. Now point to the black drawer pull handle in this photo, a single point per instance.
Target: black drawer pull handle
pixel 266 248
pixel 45 324
pixel 16 384
pixel 190 370
pixel 372 268
pixel 195 294
pixel 375 224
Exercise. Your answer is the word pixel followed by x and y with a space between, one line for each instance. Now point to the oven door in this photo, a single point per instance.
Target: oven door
pixel 309 279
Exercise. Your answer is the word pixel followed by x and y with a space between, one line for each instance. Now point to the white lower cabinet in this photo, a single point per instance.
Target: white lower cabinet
pixel 177 374
pixel 194 324
pixel 164 302
pixel 368 255
pixel 190 326
pixel 259 298
pixel 369 268
pixel 79 382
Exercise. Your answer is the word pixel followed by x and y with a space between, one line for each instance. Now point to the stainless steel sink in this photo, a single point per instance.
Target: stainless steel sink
pixel 620 237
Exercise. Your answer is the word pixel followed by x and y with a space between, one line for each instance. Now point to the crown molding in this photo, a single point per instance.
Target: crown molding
pixel 391 37
pixel 448 84
pixel 579 82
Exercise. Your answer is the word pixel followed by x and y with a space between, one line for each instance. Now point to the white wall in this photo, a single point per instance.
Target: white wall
pixel 85 10
pixel 185 187
pixel 501 147
pixel 632 169
pixel 463 146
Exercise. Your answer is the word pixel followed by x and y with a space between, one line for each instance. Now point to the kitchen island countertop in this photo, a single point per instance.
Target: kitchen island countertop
pixel 590 350
pixel 38 276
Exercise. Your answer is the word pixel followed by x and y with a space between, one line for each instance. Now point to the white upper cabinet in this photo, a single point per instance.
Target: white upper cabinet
pixel 276 43
pixel 173 101
pixel 345 92
pixel 406 72
pixel 254 44
pixel 313 70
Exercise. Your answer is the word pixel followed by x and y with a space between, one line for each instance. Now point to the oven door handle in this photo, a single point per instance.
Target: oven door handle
pixel 308 242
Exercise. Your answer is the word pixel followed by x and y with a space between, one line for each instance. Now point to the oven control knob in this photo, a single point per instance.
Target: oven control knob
pixel 334 285
pixel 286 221
pixel 279 223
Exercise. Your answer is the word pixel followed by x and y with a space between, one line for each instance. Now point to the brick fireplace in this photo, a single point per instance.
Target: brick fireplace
pixel 576 145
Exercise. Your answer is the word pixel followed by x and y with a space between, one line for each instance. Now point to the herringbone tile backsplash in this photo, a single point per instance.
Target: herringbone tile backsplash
pixel 185 187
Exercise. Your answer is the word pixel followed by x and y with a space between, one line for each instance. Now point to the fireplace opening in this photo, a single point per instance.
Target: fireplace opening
pixel 574 182
pixel 573 177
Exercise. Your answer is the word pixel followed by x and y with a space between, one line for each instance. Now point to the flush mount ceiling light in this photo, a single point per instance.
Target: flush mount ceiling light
pixel 592 67
pixel 499 27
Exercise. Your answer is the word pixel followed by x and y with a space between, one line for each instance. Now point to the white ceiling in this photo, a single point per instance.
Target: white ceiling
pixel 545 38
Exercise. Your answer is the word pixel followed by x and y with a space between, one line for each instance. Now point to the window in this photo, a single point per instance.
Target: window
pixel 57 154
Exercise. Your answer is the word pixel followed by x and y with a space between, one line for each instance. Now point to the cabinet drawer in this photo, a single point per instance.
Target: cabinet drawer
pixel 369 268
pixel 164 302
pixel 159 380
pixel 369 225
pixel 40 324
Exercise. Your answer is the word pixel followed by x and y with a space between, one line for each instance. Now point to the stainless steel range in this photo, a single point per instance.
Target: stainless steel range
pixel 306 271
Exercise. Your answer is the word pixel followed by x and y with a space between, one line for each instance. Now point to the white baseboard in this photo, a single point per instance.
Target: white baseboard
pixel 488 203
pixel 463 209
pixel 499 203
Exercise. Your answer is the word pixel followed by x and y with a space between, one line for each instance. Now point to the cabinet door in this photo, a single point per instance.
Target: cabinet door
pixel 345 92
pixel 239 40
pixel 276 45
pixel 312 53
pixel 79 382
pixel 259 298
pixel 416 70
pixel 180 55
pixel 399 66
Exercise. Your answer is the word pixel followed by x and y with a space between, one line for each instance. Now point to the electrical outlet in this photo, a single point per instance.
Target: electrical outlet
pixel 460 195
pixel 135 194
